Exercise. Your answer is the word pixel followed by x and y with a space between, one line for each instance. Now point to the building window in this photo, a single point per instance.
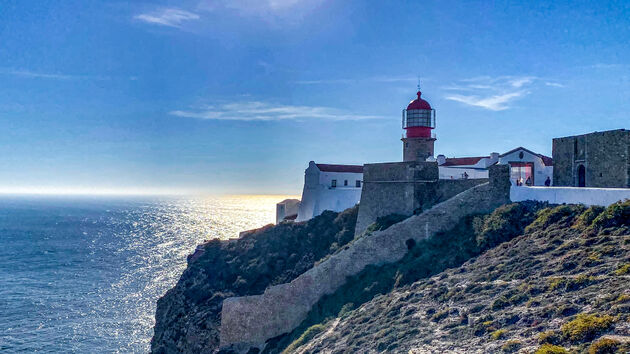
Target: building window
pixel 345 183
pixel 333 183
pixel 358 184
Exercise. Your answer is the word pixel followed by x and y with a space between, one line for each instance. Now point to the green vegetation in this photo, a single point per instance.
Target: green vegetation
pixel 503 224
pixel 570 283
pixel 498 334
pixel 585 327
pixel 616 215
pixel 309 334
pixel 604 346
pixel 551 349
pixel 548 216
pixel 511 346
pixel 623 270
pixel 549 337
pixel 221 269
pixel 467 239
pixel 586 218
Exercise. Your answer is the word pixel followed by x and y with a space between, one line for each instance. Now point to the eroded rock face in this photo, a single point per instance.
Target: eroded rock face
pixel 516 296
pixel 188 316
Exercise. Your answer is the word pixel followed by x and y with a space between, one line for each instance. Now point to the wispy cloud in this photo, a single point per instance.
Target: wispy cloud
pixel 491 93
pixel 51 76
pixel 170 17
pixel 554 84
pixel 493 103
pixel 262 111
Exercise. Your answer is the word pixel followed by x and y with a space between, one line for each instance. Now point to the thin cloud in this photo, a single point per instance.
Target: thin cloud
pixel 51 76
pixel 493 103
pixel 491 93
pixel 554 84
pixel 262 111
pixel 170 17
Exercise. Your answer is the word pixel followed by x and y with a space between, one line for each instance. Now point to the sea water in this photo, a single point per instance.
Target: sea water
pixel 83 274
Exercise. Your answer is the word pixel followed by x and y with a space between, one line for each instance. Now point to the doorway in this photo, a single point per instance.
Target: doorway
pixel 581 176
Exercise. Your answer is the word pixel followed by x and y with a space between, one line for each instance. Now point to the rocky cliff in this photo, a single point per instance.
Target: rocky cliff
pixel 527 277
pixel 559 284
pixel 188 316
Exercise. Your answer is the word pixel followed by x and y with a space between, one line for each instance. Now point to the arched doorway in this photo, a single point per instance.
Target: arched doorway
pixel 581 171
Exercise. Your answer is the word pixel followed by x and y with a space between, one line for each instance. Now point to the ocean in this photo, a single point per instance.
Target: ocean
pixel 83 274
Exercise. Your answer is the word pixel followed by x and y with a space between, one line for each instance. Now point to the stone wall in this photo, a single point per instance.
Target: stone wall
pixel 417 149
pixel 605 156
pixel 251 320
pixel 405 188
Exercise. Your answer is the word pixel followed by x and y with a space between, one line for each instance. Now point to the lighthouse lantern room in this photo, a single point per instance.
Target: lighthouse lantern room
pixel 418 121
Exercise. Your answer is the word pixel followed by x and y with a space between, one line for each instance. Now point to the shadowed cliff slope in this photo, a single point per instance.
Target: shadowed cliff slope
pixel 188 316
pixel 562 283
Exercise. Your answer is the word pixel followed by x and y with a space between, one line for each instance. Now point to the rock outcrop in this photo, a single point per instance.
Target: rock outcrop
pixel 188 316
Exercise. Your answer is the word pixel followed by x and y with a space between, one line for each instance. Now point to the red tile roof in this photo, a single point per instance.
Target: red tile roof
pixel 340 168
pixel 462 161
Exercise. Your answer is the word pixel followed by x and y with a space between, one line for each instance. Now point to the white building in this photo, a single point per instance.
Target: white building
pixel 329 187
pixel 287 210
pixel 524 165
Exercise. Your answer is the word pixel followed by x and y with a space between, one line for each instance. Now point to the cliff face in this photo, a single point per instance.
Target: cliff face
pixel 188 316
pixel 561 283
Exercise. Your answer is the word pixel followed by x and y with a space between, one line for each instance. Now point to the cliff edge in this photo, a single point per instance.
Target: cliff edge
pixel 188 315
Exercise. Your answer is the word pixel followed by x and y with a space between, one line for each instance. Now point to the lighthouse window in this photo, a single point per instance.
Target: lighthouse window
pixel 417 117
pixel 345 183
pixel 333 183
pixel 358 184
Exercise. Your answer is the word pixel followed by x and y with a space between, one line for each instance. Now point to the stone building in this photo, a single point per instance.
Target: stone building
pixel 600 159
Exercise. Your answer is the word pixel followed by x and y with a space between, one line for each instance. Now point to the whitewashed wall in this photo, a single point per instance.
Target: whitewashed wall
pixel 541 172
pixel 570 195
pixel 456 173
pixel 318 194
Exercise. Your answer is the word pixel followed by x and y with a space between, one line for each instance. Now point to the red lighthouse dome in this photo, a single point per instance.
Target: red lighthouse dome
pixel 418 119
pixel 419 103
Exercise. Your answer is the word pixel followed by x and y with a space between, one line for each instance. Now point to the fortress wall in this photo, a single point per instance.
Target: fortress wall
pixel 570 195
pixel 252 320
pixel 405 188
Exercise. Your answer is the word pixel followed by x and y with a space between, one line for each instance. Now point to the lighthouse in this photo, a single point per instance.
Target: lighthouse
pixel 418 121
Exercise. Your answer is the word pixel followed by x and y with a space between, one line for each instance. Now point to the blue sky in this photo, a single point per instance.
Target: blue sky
pixel 236 96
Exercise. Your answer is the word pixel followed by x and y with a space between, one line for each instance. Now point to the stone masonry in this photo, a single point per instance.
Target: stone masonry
pixel 250 321
pixel 603 156
pixel 405 188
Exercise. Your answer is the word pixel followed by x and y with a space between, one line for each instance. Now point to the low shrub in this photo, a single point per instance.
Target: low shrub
pixel 615 215
pixel 309 334
pixel 551 349
pixel 586 218
pixel 504 223
pixel 549 337
pixel 511 346
pixel 548 216
pixel 604 346
pixel 623 270
pixel 586 327
pixel 498 334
